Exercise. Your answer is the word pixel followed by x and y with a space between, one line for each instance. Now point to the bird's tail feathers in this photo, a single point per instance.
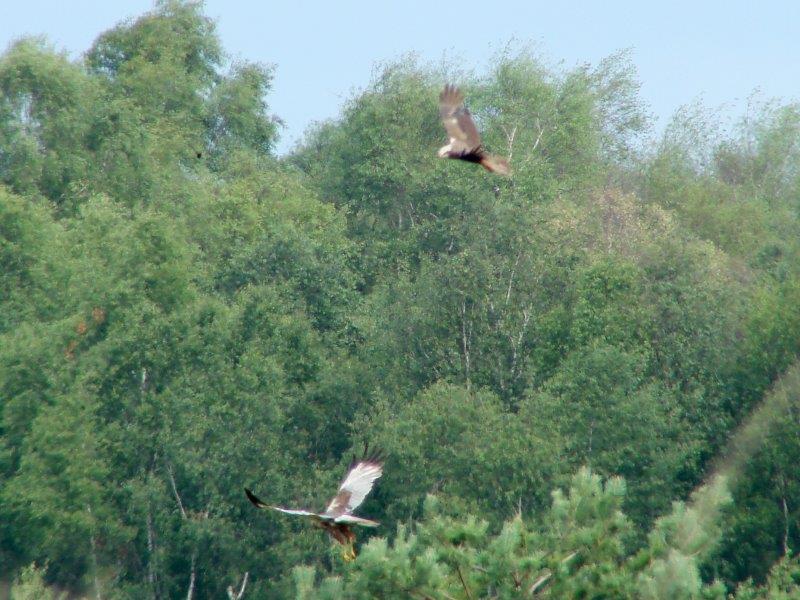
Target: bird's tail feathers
pixel 496 164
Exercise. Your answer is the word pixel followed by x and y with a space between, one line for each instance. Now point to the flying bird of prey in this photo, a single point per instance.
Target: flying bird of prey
pixel 465 141
pixel 338 516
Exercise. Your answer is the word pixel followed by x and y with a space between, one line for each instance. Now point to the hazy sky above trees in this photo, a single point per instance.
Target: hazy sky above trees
pixel 719 51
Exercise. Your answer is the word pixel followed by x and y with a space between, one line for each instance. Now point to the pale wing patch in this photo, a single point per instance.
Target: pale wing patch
pixel 355 487
pixel 450 121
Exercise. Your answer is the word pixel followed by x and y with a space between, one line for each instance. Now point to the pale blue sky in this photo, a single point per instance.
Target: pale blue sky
pixel 719 51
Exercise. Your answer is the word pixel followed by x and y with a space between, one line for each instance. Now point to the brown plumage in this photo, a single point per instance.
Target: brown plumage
pixel 337 517
pixel 465 141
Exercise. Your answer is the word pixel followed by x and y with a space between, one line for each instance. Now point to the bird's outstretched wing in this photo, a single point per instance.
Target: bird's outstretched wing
pixel 465 141
pixel 258 503
pixel 464 136
pixel 356 485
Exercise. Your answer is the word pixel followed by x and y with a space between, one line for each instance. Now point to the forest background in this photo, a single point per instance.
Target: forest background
pixel 584 376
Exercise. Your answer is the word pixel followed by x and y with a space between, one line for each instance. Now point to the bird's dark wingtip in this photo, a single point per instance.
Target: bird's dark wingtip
pixel 254 499
pixel 375 455
pixel 369 455
pixel 450 94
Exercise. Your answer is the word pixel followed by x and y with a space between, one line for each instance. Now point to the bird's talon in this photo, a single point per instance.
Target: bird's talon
pixel 349 555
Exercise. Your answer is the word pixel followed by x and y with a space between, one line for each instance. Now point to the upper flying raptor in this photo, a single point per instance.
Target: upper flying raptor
pixel 465 141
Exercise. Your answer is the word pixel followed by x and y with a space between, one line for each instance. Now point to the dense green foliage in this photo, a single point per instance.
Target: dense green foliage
pixel 183 314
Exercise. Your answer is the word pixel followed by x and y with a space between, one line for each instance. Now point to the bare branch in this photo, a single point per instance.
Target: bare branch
pixel 515 344
pixel 151 552
pixel 204 515
pixel 93 545
pixel 786 549
pixel 465 341
pixel 540 582
pixel 545 577
pixel 539 137
pixel 511 277
pixel 175 490
pixel 238 596
pixel 510 137
pixel 464 583
pixel 192 576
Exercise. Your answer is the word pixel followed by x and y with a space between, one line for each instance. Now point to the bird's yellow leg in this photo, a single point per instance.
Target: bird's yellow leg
pixel 349 553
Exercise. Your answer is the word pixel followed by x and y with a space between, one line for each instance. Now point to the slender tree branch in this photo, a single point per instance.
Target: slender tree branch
pixel 517 581
pixel 540 582
pixel 510 137
pixel 539 137
pixel 238 596
pixel 93 545
pixel 192 576
pixel 465 341
pixel 464 583
pixel 511 277
pixel 151 546
pixel 786 549
pixel 515 345
pixel 544 578
pixel 175 490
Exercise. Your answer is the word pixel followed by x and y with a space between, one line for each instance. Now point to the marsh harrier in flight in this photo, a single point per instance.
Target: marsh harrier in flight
pixel 338 516
pixel 465 141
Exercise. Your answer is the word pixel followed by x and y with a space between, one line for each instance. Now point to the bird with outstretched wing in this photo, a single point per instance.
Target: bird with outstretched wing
pixel 338 517
pixel 465 141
